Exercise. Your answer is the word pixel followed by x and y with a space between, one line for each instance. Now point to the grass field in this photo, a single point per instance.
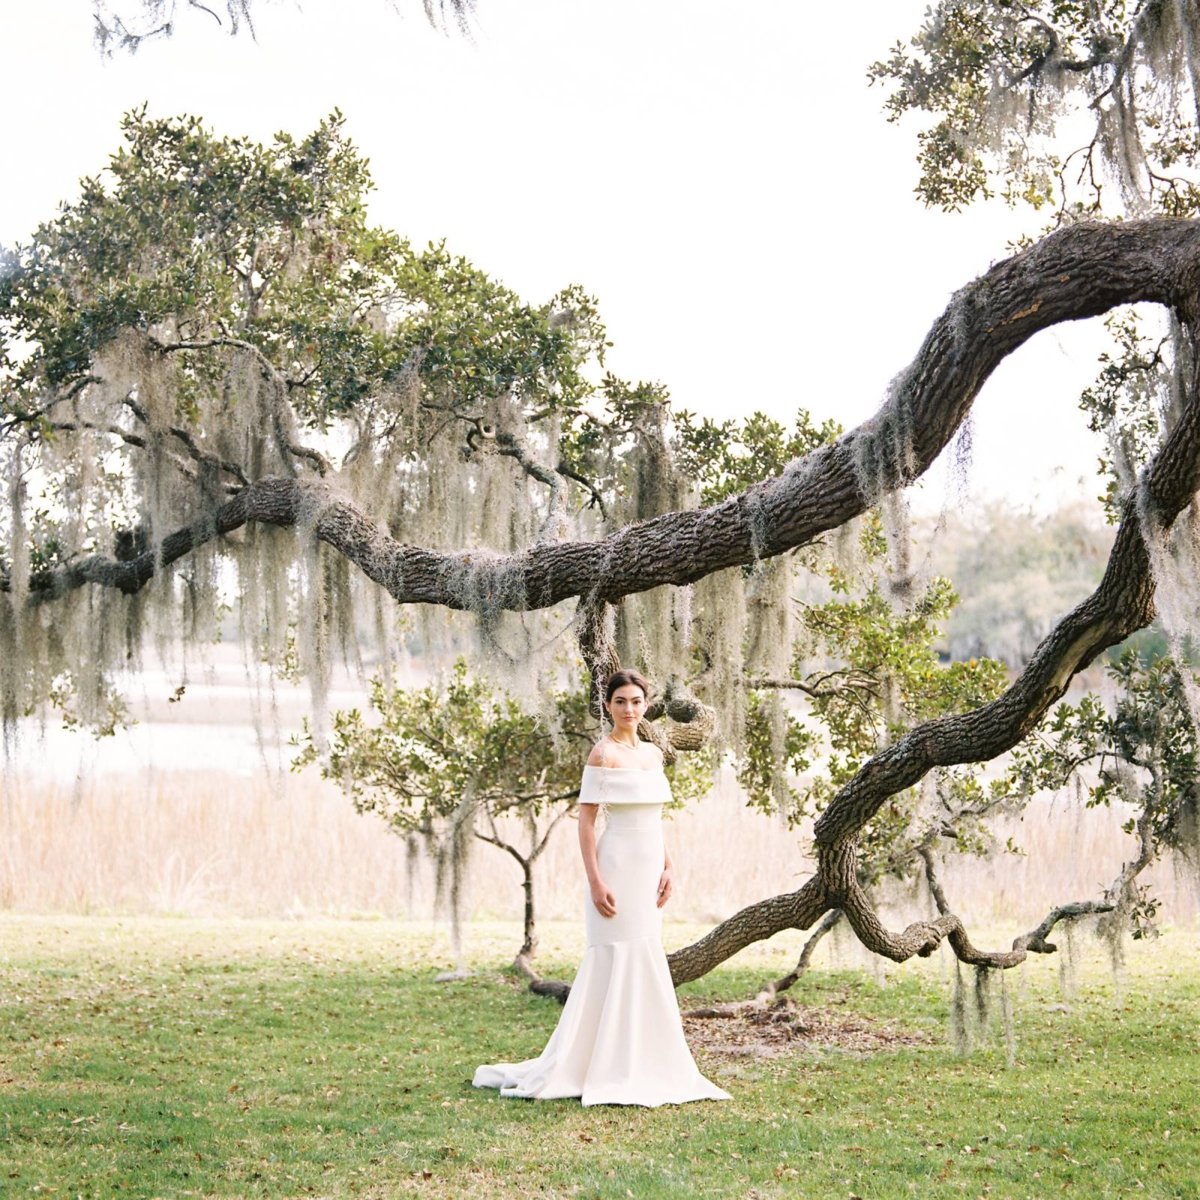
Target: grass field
pixel 170 1057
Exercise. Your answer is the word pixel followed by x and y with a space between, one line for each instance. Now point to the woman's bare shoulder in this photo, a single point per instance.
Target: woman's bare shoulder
pixel 597 756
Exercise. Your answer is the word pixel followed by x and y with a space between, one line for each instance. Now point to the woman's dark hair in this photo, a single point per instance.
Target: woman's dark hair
pixel 619 679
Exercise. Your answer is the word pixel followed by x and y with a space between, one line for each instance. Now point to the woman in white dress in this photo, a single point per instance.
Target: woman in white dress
pixel 619 1039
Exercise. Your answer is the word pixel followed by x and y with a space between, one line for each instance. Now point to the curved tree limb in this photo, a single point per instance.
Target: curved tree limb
pixel 1123 603
pixel 755 922
pixel 1033 942
pixel 1078 272
pixel 771 991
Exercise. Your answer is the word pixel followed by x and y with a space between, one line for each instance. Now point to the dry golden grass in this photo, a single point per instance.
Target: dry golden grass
pixel 214 844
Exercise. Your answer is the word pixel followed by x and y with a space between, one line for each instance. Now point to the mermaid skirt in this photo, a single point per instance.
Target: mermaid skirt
pixel 619 1039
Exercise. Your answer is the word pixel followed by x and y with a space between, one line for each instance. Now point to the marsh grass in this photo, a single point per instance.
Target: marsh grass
pixel 214 844
pixel 160 1057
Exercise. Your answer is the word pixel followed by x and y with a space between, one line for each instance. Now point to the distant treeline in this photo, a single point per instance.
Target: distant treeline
pixel 1016 575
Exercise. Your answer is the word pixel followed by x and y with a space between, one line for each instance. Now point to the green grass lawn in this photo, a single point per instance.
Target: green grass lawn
pixel 163 1057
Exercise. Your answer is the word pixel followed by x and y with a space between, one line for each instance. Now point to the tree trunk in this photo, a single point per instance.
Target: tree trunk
pixel 523 963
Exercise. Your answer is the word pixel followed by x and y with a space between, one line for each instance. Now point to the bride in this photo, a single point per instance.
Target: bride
pixel 619 1039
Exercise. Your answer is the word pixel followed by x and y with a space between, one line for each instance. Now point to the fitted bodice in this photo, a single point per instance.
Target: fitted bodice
pixel 613 786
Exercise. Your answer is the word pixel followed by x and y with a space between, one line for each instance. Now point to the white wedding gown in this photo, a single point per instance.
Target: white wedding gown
pixel 619 1039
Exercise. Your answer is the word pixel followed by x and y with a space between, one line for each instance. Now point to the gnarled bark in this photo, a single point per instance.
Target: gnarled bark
pixel 769 993
pixel 1123 603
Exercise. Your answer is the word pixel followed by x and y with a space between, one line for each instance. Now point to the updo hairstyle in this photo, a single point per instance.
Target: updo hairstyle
pixel 619 679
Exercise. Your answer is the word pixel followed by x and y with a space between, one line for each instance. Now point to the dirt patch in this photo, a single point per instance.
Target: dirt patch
pixel 745 1031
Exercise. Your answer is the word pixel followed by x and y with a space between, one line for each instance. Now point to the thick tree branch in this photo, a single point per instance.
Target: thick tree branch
pixel 792 910
pixel 1122 604
pixel 1078 272
pixel 768 995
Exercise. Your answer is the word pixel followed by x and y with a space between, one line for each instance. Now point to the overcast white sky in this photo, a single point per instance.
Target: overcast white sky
pixel 719 175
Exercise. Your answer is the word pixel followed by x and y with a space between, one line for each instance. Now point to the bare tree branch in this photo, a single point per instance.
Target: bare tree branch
pixel 597 500
pixel 283 420
pixel 820 686
pixel 189 442
pixel 513 445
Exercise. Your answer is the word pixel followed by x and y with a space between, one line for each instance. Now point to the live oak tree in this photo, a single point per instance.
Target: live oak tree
pixel 213 345
pixel 1080 112
pixel 443 762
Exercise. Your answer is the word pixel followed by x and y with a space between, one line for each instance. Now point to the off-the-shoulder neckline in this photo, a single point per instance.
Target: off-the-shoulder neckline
pixel 639 770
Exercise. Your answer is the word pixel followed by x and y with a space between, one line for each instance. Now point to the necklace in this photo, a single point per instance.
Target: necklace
pixel 619 742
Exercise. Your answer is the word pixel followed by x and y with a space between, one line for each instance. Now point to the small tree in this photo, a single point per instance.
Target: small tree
pixel 443 760
pixel 446 762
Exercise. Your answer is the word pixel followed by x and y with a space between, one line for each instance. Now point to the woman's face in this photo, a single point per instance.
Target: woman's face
pixel 627 705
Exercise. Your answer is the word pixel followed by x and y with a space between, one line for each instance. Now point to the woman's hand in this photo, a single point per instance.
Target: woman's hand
pixel 666 883
pixel 603 899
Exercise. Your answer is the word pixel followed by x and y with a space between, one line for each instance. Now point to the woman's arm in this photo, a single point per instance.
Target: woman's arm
pixel 666 881
pixel 602 898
